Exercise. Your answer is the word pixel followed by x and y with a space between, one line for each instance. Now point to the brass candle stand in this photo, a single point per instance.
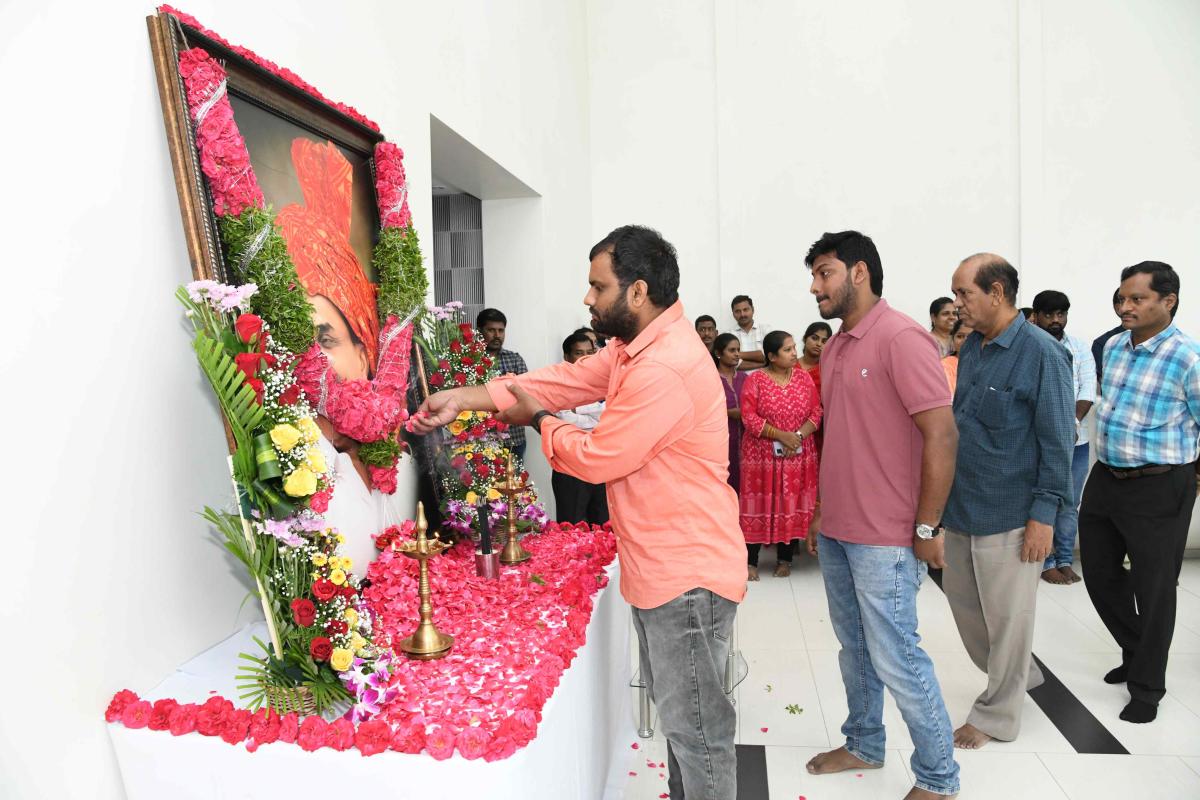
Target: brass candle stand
pixel 512 553
pixel 426 643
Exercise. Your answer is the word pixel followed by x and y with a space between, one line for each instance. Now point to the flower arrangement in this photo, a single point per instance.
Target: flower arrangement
pixel 484 700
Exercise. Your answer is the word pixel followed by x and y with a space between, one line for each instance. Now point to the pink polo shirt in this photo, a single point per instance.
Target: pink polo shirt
pixel 873 379
pixel 662 448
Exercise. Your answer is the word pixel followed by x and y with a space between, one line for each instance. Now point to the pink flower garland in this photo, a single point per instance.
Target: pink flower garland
pixel 513 639
pixel 271 67
pixel 391 186
pixel 223 154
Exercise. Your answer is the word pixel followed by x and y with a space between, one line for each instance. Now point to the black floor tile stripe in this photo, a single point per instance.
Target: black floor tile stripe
pixel 1074 721
pixel 752 772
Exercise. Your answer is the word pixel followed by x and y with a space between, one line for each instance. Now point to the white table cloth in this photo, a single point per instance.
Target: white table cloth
pixel 580 749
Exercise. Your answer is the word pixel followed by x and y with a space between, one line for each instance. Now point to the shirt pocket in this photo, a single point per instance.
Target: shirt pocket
pixel 995 409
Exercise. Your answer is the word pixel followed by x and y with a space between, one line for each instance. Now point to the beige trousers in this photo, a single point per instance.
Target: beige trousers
pixel 993 594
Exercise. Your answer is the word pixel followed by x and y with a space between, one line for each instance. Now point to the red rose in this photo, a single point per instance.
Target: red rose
pixel 289 727
pixel 136 714
pixel 290 395
pixel 436 379
pixel 303 611
pixel 341 734
pixel 247 363
pixel 210 719
pixel 460 379
pixel 118 703
pixel 324 590
pixel 160 714
pixel 487 362
pixel 237 725
pixel 444 365
pixel 409 739
pixel 313 733
pixel 481 370
pixel 348 591
pixel 458 462
pixel 183 719
pixel 373 737
pixel 336 627
pixel 467 361
pixel 257 386
pixel 319 502
pixel 248 326
pixel 482 470
pixel 320 649
pixel 468 333
pixel 456 347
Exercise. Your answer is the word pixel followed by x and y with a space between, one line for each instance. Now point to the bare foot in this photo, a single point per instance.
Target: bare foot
pixel 925 794
pixel 751 573
pixel 1055 575
pixel 839 760
pixel 968 737
pixel 783 569
pixel 1071 575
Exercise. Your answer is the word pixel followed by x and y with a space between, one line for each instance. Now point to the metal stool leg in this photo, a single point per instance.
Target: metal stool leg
pixel 644 729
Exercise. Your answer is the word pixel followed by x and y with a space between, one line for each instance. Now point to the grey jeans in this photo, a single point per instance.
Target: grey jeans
pixel 682 645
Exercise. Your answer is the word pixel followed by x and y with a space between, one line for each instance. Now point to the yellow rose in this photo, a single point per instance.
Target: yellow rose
pixel 493 494
pixel 357 642
pixel 351 617
pixel 319 559
pixel 285 437
pixel 456 427
pixel 337 577
pixel 464 416
pixel 316 461
pixel 301 483
pixel 309 429
pixel 341 659
pixel 472 498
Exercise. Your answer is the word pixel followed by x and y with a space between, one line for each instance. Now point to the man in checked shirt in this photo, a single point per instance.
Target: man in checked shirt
pixel 1138 501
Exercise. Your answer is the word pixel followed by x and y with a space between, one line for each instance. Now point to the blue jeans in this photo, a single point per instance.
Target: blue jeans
pixel 682 646
pixel 872 594
pixel 1066 524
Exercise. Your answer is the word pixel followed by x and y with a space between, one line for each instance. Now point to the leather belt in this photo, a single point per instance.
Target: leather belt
pixel 1127 474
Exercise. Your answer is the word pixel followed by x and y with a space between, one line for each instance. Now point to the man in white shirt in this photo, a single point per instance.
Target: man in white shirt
pixel 1050 314
pixel 576 500
pixel 750 335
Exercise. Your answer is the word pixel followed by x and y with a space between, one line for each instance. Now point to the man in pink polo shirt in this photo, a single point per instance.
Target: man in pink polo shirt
pixel 662 448
pixel 886 471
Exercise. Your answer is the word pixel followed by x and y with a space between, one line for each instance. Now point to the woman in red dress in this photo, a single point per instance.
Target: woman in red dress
pixel 810 359
pixel 780 411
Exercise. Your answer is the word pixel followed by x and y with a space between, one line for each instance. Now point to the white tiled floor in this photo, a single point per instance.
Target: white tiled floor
pixel 783 632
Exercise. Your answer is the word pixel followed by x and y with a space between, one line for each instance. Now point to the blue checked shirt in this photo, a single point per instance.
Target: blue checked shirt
pixel 1150 401
pixel 511 363
pixel 1015 411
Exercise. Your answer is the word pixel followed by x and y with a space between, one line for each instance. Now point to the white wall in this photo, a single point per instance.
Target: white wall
pixel 112 580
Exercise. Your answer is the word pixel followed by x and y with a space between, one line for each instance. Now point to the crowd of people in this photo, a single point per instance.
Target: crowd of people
pixel 890 448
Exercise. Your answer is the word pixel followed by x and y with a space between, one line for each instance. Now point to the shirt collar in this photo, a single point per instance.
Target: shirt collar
pixel 652 331
pixel 866 323
pixel 1151 344
pixel 1010 333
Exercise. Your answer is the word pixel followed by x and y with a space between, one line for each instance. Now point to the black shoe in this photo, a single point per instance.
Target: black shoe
pixel 1117 675
pixel 1139 711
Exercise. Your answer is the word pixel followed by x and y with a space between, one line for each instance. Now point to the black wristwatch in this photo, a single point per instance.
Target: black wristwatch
pixel 536 422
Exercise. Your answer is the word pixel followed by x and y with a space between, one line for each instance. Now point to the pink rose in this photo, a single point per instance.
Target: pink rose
pixel 409 738
pixel 210 719
pixel 319 502
pixel 341 734
pixel 160 714
pixel 289 727
pixel 372 737
pixel 136 714
pixel 473 742
pixel 117 705
pixel 264 726
pixel 237 725
pixel 439 742
pixel 183 719
pixel 314 733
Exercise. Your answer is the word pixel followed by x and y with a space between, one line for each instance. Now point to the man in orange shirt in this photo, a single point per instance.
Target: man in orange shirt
pixel 662 448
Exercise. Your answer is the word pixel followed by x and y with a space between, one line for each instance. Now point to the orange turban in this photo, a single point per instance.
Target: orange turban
pixel 318 239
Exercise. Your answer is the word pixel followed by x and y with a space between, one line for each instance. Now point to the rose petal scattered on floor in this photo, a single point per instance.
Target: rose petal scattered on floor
pixel 764 730
pixel 634 745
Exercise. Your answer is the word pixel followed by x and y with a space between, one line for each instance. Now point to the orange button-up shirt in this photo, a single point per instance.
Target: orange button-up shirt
pixel 662 449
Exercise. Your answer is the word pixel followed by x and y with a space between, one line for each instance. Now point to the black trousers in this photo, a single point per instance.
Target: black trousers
pixel 1147 519
pixel 579 501
pixel 784 552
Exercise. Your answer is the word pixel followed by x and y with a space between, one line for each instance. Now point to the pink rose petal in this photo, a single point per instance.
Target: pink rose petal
pixel 764 730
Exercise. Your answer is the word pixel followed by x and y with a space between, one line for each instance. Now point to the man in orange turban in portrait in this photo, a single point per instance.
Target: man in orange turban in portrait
pixel 318 240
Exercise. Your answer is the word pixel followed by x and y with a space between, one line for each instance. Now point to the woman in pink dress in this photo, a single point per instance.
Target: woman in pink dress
pixel 727 353
pixel 780 411
pixel 811 346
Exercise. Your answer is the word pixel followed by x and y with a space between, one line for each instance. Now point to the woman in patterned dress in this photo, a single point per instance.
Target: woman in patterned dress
pixel 813 343
pixel 780 406
pixel 727 352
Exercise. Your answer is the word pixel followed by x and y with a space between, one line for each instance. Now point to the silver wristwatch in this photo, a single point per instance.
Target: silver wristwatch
pixel 924 531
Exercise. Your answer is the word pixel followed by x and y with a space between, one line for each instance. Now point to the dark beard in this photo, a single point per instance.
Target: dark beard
pixel 843 303
pixel 618 322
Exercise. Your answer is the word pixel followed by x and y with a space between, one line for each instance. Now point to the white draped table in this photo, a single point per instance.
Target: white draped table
pixel 579 751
